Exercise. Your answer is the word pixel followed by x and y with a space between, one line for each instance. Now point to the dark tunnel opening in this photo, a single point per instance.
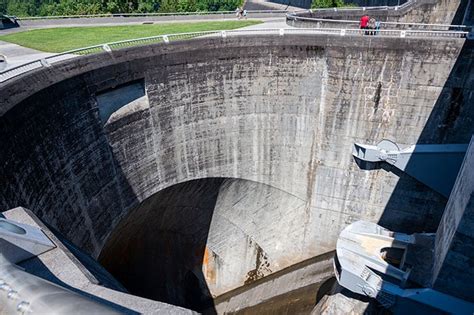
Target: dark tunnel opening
pixel 159 249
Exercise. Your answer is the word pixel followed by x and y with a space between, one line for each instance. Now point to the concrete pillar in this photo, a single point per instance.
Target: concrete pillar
pixel 453 269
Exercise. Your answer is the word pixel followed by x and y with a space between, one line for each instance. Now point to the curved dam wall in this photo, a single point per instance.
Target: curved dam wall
pixel 268 121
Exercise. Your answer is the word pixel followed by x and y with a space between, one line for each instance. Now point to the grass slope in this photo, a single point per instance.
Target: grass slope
pixel 67 38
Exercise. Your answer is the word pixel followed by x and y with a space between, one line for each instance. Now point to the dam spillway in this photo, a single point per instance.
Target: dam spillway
pixel 243 143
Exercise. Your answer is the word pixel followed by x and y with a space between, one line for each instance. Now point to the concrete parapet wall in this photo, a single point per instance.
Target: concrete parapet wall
pixel 283 111
pixel 453 270
pixel 420 11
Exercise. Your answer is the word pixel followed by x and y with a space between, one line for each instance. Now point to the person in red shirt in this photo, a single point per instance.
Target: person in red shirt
pixel 364 22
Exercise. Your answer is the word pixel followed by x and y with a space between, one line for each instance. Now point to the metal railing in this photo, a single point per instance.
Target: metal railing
pixel 318 23
pixel 109 47
pixel 104 15
pixel 24 293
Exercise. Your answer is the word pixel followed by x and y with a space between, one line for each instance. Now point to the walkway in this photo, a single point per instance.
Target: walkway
pixel 133 20
pixel 17 55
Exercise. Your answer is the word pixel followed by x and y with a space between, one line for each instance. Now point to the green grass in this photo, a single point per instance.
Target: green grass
pixel 67 38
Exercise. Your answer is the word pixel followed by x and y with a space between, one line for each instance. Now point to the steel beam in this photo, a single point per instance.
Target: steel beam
pixel 435 165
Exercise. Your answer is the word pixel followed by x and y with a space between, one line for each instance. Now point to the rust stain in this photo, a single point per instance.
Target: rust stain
pixel 205 259
pixel 374 245
pixel 209 266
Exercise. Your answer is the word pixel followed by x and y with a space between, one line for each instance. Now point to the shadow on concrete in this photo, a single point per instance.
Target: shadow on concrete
pixel 338 300
pixel 60 142
pixel 413 207
pixel 36 267
pixel 326 289
pixel 159 249
pixel 451 121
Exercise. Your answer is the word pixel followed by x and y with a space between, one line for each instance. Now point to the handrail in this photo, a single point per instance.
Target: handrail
pixel 414 24
pixel 77 16
pixel 109 47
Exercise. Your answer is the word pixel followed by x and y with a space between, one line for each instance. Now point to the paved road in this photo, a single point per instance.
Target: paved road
pixel 111 21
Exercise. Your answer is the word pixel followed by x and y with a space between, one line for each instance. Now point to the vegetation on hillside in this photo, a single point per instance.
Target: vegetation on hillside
pixel 75 7
pixel 330 4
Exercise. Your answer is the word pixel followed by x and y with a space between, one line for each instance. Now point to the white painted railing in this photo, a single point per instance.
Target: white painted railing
pixel 119 15
pixel 318 23
pixel 109 47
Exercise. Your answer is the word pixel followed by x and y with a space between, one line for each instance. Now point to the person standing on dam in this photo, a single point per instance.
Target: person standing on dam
pixel 371 26
pixel 364 22
pixel 237 13
pixel 377 27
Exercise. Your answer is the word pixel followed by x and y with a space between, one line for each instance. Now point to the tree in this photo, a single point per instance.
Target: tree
pixel 3 6
pixel 76 7
pixel 148 6
pixel 328 4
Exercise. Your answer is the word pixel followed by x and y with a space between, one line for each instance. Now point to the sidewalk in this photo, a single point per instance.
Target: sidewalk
pixel 270 23
pixel 17 55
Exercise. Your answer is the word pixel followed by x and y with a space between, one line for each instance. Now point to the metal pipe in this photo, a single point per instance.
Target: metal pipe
pixel 24 293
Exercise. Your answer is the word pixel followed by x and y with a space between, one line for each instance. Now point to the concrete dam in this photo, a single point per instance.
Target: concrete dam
pixel 193 168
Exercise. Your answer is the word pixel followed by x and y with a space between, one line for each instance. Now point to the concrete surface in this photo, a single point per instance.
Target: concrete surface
pixel 211 224
pixel 342 301
pixel 309 275
pixel 453 270
pixel 280 111
pixel 269 23
pixel 61 267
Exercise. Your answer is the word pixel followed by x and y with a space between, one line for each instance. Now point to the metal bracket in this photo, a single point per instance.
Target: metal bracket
pixel 19 242
pixel 435 165
pixel 369 261
pixel 106 48
pixel 45 63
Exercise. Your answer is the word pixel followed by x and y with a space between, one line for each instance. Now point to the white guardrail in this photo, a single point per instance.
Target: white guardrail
pixel 414 26
pixel 109 47
pixel 104 15
pixel 296 16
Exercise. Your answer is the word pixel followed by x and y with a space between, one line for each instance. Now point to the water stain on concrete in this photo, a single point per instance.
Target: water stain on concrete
pixel 261 266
